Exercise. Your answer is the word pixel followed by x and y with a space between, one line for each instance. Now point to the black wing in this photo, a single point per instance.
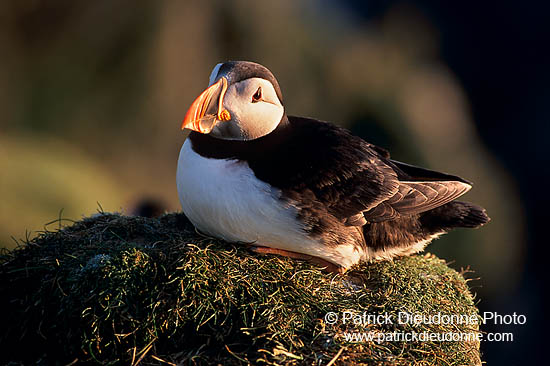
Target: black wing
pixel 316 162
pixel 357 181
pixel 419 190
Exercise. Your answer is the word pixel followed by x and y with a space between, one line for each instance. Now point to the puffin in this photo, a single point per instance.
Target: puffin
pixel 303 188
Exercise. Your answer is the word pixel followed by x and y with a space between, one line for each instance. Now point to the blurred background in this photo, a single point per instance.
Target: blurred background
pixel 92 95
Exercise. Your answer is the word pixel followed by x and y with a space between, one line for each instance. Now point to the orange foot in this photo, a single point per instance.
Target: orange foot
pixel 328 266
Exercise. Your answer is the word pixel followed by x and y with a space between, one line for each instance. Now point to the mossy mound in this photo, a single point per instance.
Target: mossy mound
pixel 126 290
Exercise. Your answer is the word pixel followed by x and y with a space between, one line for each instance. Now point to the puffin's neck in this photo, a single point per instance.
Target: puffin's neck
pixel 211 147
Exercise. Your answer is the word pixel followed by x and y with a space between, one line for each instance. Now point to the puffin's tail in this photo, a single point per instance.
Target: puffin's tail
pixel 454 214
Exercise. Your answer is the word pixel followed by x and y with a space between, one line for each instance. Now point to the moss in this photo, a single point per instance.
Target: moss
pixel 126 290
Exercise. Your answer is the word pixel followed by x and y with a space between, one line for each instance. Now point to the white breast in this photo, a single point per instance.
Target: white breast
pixel 223 198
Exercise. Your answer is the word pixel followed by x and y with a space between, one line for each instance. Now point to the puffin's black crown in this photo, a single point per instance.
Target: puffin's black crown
pixel 236 71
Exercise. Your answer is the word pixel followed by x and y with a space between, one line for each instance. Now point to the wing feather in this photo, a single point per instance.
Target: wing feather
pixel 353 180
pixel 425 196
pixel 416 197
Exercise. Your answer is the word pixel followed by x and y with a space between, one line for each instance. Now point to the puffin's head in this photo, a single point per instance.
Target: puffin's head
pixel 243 101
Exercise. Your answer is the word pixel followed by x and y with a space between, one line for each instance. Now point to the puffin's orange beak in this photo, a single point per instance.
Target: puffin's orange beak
pixel 196 118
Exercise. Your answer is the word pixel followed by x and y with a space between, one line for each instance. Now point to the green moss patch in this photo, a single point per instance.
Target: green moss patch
pixel 126 290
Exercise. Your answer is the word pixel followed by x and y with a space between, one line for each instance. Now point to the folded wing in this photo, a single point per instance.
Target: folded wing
pixel 415 197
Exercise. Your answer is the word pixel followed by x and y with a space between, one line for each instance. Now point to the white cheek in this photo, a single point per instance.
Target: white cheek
pixel 254 119
pixel 234 103
pixel 265 118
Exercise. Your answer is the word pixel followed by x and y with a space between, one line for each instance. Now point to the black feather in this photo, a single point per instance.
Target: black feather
pixel 453 215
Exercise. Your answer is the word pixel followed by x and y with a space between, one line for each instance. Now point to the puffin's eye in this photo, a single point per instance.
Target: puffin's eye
pixel 257 96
